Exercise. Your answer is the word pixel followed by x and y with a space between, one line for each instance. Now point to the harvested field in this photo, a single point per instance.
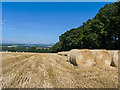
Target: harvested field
pixel 49 70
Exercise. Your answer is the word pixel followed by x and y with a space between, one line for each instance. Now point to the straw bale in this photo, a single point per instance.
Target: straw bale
pixel 85 58
pixel 102 57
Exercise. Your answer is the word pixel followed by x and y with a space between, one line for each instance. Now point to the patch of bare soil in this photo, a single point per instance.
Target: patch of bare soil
pixel 49 70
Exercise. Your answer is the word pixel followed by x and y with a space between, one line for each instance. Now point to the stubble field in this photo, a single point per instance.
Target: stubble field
pixel 49 70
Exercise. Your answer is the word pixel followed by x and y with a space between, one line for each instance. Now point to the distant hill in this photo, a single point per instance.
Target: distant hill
pixel 41 48
pixel 29 45
pixel 101 32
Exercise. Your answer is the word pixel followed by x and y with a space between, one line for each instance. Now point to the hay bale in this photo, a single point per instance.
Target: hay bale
pixel 102 57
pixel 59 53
pixel 85 58
pixel 111 52
pixel 63 53
pixel 89 58
pixel 116 57
pixel 71 55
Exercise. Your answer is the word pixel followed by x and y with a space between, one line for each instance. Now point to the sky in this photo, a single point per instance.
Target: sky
pixel 59 0
pixel 43 22
pixel 0 23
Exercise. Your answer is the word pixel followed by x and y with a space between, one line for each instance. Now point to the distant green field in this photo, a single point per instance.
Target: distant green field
pixel 26 47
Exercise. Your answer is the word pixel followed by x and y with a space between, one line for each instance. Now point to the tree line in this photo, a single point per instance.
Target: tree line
pixel 100 32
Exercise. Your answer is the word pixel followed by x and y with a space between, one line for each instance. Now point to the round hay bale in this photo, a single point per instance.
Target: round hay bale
pixel 94 51
pixel 63 53
pixel 85 58
pixel 112 57
pixel 116 58
pixel 71 55
pixel 102 58
pixel 59 53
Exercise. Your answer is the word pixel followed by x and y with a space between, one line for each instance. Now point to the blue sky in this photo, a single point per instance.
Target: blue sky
pixel 43 22
pixel 59 0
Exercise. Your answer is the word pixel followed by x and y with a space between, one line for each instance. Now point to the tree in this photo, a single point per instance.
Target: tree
pixel 102 32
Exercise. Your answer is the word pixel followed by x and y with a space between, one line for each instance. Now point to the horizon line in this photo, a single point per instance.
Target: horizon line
pixel 24 43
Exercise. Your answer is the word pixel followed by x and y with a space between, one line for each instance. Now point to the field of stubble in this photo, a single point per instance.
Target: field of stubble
pixel 49 70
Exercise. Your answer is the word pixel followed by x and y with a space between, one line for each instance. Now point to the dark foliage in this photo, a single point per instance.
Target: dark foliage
pixel 102 32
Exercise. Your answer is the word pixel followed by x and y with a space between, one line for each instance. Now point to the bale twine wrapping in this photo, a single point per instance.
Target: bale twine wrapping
pixel 102 57
pixel 85 58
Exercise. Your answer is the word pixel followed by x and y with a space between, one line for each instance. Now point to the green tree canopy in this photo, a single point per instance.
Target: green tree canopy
pixel 102 32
